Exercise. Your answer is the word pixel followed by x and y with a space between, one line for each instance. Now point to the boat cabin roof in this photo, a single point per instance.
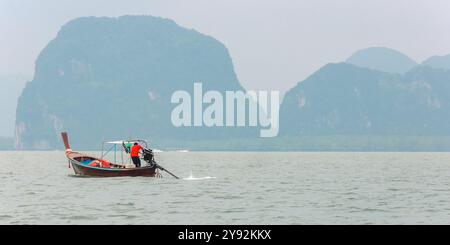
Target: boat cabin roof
pixel 120 142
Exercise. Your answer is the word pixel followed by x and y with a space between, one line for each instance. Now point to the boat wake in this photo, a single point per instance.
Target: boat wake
pixel 191 177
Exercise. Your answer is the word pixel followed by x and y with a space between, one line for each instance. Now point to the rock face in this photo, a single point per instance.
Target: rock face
pixel 342 99
pixel 382 59
pixel 438 62
pixel 110 78
pixel 8 101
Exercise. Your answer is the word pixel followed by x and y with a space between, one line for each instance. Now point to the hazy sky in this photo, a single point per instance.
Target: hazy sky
pixel 273 43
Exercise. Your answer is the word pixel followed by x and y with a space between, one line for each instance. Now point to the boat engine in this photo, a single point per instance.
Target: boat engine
pixel 148 156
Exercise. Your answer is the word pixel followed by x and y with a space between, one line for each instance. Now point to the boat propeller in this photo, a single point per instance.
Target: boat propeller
pixel 149 157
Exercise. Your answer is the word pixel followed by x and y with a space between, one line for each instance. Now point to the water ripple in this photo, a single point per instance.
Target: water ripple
pixel 310 188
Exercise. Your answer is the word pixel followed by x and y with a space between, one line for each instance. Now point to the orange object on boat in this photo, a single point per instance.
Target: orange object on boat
pixel 94 163
pixel 105 164
pixel 100 164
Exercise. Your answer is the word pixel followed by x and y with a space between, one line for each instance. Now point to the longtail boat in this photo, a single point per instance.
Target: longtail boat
pixel 86 165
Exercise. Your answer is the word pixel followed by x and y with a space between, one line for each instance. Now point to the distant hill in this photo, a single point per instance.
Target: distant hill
pixel 438 62
pixel 382 59
pixel 343 99
pixel 110 78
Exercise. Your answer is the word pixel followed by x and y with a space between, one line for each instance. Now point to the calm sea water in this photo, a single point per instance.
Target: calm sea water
pixel 233 188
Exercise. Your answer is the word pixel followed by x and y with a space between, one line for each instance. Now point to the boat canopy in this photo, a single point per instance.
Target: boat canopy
pixel 120 142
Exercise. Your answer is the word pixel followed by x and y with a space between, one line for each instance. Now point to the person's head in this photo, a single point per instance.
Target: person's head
pixel 135 143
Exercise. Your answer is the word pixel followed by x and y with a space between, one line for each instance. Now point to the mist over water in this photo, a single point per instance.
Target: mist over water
pixel 233 188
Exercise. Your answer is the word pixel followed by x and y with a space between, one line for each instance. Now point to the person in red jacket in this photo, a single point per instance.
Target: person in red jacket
pixel 134 153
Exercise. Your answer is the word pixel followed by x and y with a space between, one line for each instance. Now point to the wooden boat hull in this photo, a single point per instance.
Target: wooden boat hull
pixel 85 170
pixel 111 170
